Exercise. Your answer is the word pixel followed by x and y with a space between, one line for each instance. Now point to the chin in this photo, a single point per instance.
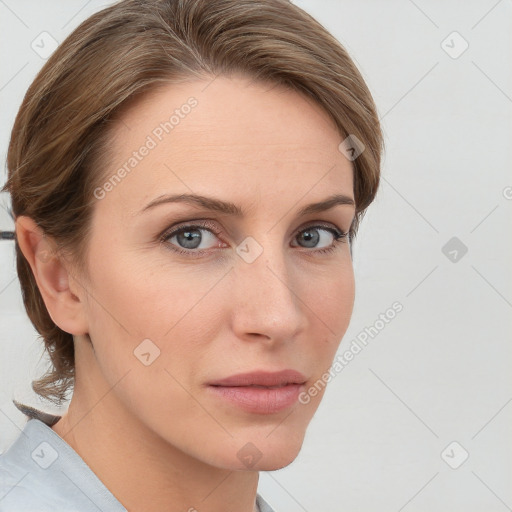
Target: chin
pixel 274 463
pixel 264 452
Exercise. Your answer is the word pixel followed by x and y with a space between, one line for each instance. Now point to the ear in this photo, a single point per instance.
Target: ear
pixel 65 306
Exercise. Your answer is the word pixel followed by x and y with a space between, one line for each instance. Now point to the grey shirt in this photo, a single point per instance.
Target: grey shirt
pixel 40 472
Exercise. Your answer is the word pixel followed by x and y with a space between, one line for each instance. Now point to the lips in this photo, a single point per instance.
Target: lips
pixel 260 392
pixel 262 379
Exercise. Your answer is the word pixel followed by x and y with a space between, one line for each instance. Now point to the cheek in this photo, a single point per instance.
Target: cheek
pixel 149 328
pixel 166 311
pixel 329 307
pixel 142 297
pixel 330 297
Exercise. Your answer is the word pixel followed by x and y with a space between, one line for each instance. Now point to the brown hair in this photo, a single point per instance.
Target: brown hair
pixel 55 157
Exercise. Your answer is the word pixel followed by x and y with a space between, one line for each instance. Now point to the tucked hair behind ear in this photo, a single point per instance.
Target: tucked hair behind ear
pixel 61 130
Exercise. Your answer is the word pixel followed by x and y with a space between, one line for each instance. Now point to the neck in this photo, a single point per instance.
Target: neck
pixel 142 470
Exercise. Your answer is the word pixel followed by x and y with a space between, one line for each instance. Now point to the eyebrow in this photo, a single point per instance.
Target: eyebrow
pixel 226 207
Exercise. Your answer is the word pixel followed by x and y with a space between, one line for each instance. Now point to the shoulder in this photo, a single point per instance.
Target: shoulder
pixel 23 487
pixel 26 481
pixel 39 472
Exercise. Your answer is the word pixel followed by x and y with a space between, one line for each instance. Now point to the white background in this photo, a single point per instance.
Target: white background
pixel 440 371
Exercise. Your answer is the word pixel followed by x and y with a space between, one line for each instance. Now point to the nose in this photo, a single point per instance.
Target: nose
pixel 266 297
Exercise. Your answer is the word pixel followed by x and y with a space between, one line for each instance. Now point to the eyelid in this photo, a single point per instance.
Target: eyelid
pixel 203 224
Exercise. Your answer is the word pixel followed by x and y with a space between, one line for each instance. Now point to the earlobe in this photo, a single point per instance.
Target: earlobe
pixel 52 277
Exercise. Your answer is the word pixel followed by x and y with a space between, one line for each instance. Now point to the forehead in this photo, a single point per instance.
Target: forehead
pixel 228 135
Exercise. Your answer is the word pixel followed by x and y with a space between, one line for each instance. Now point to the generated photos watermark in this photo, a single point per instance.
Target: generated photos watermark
pixel 356 346
pixel 152 140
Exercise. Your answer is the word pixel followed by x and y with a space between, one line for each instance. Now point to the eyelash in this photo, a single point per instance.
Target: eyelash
pixel 339 237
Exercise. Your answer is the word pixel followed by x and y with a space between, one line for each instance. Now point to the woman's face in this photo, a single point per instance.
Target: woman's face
pixel 263 290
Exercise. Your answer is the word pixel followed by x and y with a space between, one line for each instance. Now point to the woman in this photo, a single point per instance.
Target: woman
pixel 186 177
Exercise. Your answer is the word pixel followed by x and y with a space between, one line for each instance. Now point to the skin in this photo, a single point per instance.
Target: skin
pixel 154 434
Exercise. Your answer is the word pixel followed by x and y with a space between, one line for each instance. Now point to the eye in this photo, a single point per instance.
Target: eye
pixel 311 237
pixel 188 238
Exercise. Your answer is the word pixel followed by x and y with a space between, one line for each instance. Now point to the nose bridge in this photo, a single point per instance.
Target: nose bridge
pixel 263 288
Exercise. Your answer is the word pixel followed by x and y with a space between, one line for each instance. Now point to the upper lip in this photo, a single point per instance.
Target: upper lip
pixel 262 378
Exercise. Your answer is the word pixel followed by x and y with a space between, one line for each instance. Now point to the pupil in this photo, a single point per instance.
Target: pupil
pixel 311 235
pixel 191 239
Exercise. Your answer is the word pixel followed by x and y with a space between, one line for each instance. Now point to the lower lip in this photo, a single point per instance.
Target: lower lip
pixel 260 400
